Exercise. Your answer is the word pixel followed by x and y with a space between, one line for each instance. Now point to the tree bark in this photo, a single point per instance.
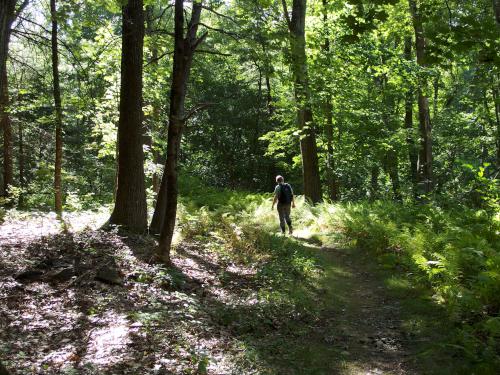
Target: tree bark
pixel 425 177
pixel 9 10
pixel 130 204
pixel 8 170
pixel 305 121
pixel 22 177
pixel 331 175
pixel 412 151
pixel 58 111
pixel 7 16
pixel 184 47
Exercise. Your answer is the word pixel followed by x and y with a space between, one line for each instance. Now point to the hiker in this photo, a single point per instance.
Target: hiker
pixel 283 194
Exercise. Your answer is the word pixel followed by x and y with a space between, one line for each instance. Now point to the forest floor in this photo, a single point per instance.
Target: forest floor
pixel 86 301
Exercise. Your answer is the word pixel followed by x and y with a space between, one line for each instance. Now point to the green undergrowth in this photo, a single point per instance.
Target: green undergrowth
pixel 286 271
pixel 455 254
pixel 451 256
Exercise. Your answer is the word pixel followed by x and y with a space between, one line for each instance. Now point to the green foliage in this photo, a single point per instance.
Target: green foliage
pixel 243 231
pixel 454 252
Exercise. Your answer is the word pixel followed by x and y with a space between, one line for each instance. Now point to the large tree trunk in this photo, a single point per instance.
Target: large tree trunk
pixel 184 48
pixel 7 12
pixel 8 174
pixel 58 110
pixel 412 151
pixel 305 121
pixel 130 204
pixel 331 175
pixel 425 178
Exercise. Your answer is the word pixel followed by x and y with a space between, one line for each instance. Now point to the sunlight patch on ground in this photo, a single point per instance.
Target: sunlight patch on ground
pixel 78 221
pixel 21 226
pixel 107 345
pixel 305 233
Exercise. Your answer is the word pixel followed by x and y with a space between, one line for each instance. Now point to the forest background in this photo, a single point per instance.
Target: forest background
pixel 387 108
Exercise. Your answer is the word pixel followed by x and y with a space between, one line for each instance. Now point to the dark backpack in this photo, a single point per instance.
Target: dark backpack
pixel 285 195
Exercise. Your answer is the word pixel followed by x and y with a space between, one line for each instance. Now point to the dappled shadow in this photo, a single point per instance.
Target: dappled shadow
pixel 202 312
pixel 54 315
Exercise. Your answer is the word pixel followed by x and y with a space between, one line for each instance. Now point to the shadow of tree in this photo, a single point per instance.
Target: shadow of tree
pixel 200 312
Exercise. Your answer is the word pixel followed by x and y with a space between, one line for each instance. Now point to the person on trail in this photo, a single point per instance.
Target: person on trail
pixel 283 194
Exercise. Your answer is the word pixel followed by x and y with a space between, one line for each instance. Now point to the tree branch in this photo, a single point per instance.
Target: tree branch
pixel 20 62
pixel 195 109
pixel 228 33
pixel 21 7
pixel 199 41
pixel 213 52
pixel 160 16
pixel 219 14
pixel 287 16
pixel 31 37
pixel 159 57
pixel 162 32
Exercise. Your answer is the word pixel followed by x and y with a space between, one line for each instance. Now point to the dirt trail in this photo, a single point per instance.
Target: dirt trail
pixel 362 321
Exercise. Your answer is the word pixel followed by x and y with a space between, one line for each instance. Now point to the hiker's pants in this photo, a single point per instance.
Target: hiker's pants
pixel 284 214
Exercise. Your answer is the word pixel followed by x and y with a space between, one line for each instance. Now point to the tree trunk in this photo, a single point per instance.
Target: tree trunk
pixel 8 174
pixel 331 175
pixel 393 171
pixel 58 111
pixel 425 178
pixel 496 9
pixel 305 121
pixel 184 48
pixel 155 113
pixel 375 171
pixel 269 95
pixel 22 177
pixel 412 151
pixel 436 97
pixel 130 204
pixel 391 156
pixel 268 68
pixel 9 10
pixel 496 100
